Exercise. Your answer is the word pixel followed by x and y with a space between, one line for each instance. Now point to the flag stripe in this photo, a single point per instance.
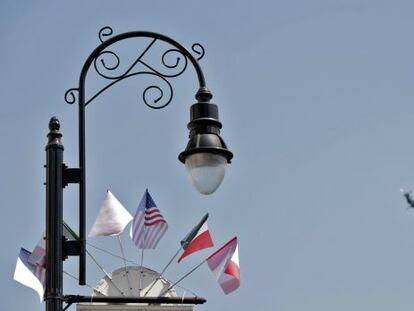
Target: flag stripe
pixel 193 233
pixel 230 285
pixel 233 269
pixel 221 248
pixel 200 242
pixel 151 223
pixel 152 210
pixel 153 216
pixel 153 236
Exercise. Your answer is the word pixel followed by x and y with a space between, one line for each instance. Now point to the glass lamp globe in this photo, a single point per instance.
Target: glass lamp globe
pixel 206 171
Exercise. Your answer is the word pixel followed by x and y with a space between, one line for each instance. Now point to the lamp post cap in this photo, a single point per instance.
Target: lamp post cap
pixel 54 135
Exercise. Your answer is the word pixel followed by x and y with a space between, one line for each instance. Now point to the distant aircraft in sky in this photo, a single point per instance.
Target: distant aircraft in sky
pixel 408 197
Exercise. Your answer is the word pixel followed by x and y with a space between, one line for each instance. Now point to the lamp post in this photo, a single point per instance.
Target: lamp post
pixel 205 156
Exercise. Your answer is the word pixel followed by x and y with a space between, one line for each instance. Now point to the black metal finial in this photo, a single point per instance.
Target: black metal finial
pixel 203 95
pixel 54 124
pixel 54 135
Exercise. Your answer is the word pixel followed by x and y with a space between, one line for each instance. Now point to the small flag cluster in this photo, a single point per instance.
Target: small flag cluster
pixel 224 262
pixel 148 225
pixel 147 229
pixel 31 266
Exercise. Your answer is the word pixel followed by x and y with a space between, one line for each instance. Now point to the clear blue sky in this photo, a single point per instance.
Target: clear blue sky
pixel 317 103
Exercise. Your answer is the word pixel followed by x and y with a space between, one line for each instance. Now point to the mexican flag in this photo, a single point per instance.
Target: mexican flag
pixel 197 239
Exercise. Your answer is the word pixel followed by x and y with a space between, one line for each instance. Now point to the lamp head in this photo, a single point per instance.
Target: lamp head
pixel 206 155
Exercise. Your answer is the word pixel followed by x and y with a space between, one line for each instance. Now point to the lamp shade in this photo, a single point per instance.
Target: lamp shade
pixel 206 171
pixel 206 155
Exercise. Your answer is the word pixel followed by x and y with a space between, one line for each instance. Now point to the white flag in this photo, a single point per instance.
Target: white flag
pixel 33 276
pixel 112 217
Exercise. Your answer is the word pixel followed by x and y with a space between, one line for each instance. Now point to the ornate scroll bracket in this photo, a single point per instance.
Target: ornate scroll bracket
pixel 71 96
pixel 107 63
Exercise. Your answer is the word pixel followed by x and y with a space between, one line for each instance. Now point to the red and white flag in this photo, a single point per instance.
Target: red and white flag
pixel 112 217
pixel 37 257
pixel 225 265
pixel 197 239
pixel 148 225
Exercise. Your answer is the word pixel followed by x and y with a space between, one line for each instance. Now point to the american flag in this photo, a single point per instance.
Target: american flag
pixel 148 225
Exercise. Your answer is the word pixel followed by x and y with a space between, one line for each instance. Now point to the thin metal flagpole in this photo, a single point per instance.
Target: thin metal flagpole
pixel 125 264
pixel 112 254
pixel 106 273
pixel 162 272
pixel 142 260
pixel 141 271
pixel 93 288
pixel 187 274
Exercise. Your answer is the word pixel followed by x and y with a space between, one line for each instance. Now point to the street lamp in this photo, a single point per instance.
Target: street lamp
pixel 205 156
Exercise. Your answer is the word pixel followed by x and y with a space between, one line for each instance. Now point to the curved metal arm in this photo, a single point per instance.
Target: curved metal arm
pixel 106 63
pixel 137 34
pixel 203 94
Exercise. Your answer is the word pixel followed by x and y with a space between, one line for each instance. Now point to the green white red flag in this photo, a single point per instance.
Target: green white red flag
pixel 197 239
pixel 225 265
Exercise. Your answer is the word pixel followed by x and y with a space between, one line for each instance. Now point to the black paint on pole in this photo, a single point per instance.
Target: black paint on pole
pixel 54 218
pixel 147 300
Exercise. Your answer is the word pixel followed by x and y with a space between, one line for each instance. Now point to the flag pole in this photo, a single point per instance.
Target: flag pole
pixel 142 260
pixel 162 272
pixel 76 279
pixel 141 270
pixel 106 273
pixel 125 264
pixel 182 278
pixel 112 254
pixel 143 246
pixel 73 235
